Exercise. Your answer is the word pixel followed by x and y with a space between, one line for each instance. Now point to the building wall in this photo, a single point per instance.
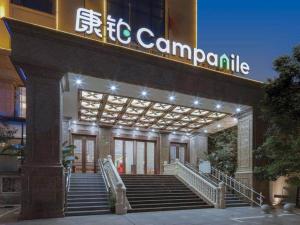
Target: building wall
pixel 198 149
pixel 7 93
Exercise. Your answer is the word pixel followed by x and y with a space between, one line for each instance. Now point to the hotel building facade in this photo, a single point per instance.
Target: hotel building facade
pixel 145 108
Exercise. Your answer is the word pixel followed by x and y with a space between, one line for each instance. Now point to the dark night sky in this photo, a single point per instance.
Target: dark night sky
pixel 258 30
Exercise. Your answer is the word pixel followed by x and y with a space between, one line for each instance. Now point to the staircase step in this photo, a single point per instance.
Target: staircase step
pixel 86 213
pixel 174 200
pixel 78 204
pixel 92 199
pixel 168 208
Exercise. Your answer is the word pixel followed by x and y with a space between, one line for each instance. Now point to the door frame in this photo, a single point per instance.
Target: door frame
pixel 186 152
pixel 85 137
pixel 135 140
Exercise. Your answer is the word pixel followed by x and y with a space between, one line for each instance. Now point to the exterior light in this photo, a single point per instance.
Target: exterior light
pixel 218 106
pixel 78 81
pixel 196 102
pixel 113 87
pixel 172 98
pixel 144 93
pixel 238 110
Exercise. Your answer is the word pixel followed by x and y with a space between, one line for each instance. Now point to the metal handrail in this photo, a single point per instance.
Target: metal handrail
pixel 238 187
pixel 68 175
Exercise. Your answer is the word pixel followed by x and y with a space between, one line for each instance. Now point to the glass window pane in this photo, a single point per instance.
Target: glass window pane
pixel 150 158
pixel 182 154
pixel 78 155
pixel 129 156
pixel 119 156
pixel 172 153
pixel 90 151
pixel 140 157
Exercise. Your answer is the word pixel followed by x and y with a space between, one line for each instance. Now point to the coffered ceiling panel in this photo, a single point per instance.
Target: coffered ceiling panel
pixel 114 111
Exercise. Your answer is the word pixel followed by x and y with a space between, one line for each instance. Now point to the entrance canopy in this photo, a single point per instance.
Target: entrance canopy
pixel 62 52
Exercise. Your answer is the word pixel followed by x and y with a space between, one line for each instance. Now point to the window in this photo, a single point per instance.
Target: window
pixel 140 13
pixel 46 6
pixel 20 107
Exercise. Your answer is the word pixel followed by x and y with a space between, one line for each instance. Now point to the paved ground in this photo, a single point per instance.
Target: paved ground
pixel 229 216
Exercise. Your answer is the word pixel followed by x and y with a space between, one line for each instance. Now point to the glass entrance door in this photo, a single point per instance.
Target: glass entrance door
pixel 178 151
pixel 134 156
pixel 85 154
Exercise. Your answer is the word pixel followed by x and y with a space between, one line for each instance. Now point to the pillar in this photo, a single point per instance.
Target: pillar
pixel 42 172
pixel 198 148
pixel 244 171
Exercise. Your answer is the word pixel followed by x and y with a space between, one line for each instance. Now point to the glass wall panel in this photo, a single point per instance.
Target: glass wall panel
pixel 78 154
pixel 129 157
pixel 119 156
pixel 181 154
pixel 140 158
pixel 172 153
pixel 150 157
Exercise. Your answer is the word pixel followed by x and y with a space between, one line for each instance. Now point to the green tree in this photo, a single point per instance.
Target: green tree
pixel 223 150
pixel 279 155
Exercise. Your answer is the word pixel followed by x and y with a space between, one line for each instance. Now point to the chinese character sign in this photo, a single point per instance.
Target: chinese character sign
pixel 89 22
pixel 117 30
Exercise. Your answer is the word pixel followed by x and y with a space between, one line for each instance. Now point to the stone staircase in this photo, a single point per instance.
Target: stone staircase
pixel 231 199
pixel 87 195
pixel 159 193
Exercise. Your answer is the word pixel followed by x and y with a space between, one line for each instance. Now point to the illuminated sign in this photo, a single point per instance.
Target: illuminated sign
pixel 89 22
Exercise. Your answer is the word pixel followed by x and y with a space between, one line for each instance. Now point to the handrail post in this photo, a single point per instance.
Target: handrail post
pixel 121 200
pixel 221 200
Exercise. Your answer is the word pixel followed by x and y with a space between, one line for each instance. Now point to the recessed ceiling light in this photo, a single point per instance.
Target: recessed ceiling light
pixel 113 87
pixel 205 131
pixel 94 124
pixel 144 93
pixel 238 110
pixel 74 122
pixel 153 130
pixel 137 128
pixel 78 81
pixel 235 119
pixel 218 106
pixel 219 125
pixel 172 98
pixel 174 132
pixel 120 127
pixel 196 102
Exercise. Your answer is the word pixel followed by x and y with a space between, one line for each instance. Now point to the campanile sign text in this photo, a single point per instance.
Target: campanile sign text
pixel 90 22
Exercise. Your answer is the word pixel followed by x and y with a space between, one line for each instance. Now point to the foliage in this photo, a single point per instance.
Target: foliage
pixel 223 150
pixel 68 155
pixel 279 155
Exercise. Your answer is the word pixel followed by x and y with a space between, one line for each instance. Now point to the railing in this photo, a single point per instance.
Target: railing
pixel 212 194
pixel 116 186
pixel 68 174
pixel 203 175
pixel 240 188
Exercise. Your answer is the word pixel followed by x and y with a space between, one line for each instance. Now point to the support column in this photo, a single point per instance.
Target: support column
pixel 42 172
pixel 244 171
